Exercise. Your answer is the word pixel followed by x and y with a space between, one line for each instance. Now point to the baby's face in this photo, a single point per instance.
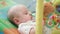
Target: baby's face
pixel 25 15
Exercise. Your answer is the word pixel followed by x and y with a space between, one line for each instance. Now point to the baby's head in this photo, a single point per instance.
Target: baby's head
pixel 19 14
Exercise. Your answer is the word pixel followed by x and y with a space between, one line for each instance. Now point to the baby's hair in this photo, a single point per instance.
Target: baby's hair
pixel 14 12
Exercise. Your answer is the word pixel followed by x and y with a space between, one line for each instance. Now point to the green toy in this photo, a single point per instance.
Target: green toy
pixel 50 24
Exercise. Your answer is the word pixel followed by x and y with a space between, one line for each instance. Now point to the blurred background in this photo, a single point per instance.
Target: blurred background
pixel 31 4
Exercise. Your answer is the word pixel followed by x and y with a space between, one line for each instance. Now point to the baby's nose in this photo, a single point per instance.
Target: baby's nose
pixel 30 14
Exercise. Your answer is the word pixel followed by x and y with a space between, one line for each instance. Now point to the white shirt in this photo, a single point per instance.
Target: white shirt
pixel 24 28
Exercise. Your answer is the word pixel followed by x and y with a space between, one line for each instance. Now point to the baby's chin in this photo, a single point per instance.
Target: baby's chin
pixel 32 20
pixel 28 20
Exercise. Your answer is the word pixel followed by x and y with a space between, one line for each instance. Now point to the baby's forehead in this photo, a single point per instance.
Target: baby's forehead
pixel 18 8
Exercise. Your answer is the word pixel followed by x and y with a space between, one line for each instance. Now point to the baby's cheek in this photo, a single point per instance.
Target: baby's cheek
pixel 27 18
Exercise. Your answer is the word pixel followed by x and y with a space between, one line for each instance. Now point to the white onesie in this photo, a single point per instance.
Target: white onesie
pixel 24 28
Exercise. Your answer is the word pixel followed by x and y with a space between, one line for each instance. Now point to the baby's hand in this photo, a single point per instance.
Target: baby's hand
pixel 32 31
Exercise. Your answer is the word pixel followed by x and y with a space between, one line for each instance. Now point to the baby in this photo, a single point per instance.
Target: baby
pixel 22 17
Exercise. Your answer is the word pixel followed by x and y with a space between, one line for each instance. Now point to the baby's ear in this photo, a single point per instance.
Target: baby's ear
pixel 16 20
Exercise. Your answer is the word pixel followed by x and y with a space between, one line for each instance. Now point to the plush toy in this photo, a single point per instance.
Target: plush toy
pixel 48 9
pixel 54 19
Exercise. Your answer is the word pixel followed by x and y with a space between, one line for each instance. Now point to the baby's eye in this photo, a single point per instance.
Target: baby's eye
pixel 26 13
